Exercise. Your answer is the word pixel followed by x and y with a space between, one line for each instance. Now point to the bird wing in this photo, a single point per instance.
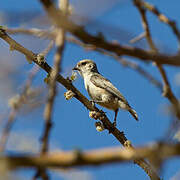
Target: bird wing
pixel 104 83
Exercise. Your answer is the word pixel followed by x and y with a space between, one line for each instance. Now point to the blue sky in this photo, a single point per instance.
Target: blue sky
pixel 72 126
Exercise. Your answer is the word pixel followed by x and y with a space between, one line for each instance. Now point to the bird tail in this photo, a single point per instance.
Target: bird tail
pixel 133 113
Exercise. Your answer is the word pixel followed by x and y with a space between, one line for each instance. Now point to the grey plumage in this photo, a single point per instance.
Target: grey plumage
pixel 99 81
pixel 101 90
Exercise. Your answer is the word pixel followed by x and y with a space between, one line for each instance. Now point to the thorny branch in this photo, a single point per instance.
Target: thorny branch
pixel 68 85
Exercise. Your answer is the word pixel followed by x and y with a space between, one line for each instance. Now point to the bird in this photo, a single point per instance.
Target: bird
pixel 101 90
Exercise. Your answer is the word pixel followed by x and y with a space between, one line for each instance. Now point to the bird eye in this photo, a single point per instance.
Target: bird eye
pixel 83 63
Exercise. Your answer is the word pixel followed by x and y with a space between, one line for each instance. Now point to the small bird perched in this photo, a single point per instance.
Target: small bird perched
pixel 101 90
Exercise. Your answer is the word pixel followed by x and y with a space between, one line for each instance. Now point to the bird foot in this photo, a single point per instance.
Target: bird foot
pixel 93 103
pixel 112 127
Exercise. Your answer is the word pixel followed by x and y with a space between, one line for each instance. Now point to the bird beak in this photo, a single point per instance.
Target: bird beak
pixel 75 68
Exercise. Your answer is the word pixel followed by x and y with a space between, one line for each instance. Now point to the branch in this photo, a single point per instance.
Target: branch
pixel 40 33
pixel 129 64
pixel 167 92
pixel 162 18
pixel 17 104
pixel 161 151
pixel 15 107
pixel 138 38
pixel 62 21
pixel 6 130
pixel 68 85
pixel 124 62
pixel 59 42
pixel 48 48
pixel 60 38
pixel 118 49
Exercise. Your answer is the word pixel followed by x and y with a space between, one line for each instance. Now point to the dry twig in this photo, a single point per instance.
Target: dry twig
pixel 15 109
pixel 162 18
pixel 40 33
pixel 167 92
pixel 138 38
pixel 59 42
pixel 62 22
pixel 19 103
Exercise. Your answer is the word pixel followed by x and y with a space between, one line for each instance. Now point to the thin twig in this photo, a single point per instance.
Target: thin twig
pixel 60 38
pixel 162 18
pixel 138 38
pixel 6 130
pixel 51 97
pixel 48 48
pixel 60 43
pixel 167 92
pixel 51 35
pixel 40 33
pixel 68 85
pixel 119 50
pixel 15 109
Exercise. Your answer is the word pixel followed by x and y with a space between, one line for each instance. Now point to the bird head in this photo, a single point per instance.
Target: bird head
pixel 86 66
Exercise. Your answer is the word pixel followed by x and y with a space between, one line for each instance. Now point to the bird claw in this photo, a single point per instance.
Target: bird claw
pixel 93 103
pixel 102 112
pixel 112 128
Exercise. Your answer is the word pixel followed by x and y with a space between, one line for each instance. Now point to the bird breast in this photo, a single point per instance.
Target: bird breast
pixel 101 96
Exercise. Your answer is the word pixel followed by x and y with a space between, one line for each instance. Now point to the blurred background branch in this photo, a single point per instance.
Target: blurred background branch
pixel 92 158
